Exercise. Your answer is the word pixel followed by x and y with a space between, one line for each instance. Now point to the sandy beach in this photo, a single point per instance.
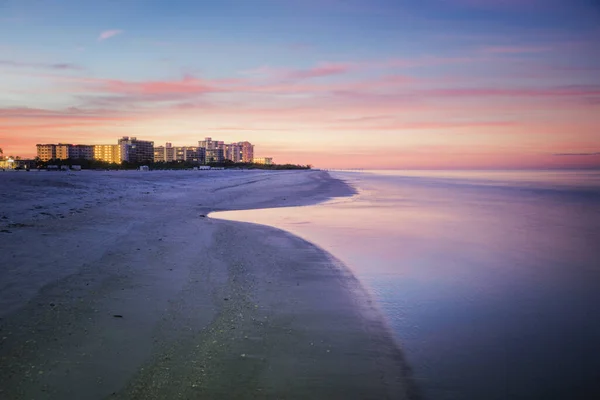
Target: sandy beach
pixel 118 285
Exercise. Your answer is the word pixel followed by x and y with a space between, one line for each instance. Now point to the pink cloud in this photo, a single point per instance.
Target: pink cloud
pixel 108 34
pixel 186 85
pixel 425 125
pixel 561 91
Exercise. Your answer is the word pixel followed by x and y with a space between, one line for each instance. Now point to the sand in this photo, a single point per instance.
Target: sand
pixel 117 285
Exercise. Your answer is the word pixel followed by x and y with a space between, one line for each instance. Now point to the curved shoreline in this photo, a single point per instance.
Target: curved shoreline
pixel 154 301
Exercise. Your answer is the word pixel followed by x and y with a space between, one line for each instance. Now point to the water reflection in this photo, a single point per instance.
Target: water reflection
pixel 490 280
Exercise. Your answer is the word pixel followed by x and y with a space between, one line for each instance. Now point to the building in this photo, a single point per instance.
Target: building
pixel 110 153
pixel 170 153
pixel 233 152
pixel 193 154
pixel 207 143
pixel 46 152
pixel 164 153
pixel 64 151
pixel 215 155
pixel 247 151
pixel 136 151
pixel 264 160
pixel 214 150
pixel 82 152
pixel 24 164
pixel 16 163
pixel 160 154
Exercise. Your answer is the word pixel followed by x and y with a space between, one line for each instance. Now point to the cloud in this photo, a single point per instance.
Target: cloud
pixel 285 74
pixel 513 49
pixel 558 91
pixel 50 66
pixel 425 125
pixel 188 85
pixel 20 114
pixel 576 154
pixel 108 34
pixel 319 71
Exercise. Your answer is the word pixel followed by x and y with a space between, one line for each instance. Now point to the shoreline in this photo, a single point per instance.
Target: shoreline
pixel 156 301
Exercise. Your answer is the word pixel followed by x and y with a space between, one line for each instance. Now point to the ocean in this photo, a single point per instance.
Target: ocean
pixel 490 280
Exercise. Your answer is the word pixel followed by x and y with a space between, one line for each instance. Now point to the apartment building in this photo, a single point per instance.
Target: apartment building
pixel 108 153
pixel 215 155
pixel 164 153
pixel 247 151
pixel 46 152
pixel 64 151
pixel 210 144
pixel 233 152
pixel 82 151
pixel 170 153
pixel 136 151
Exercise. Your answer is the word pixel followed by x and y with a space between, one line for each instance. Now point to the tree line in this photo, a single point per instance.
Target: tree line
pixel 126 165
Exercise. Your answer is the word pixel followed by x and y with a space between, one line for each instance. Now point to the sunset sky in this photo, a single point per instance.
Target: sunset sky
pixel 333 83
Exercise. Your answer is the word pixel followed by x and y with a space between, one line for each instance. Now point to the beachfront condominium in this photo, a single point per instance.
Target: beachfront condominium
pixel 46 152
pixel 127 149
pixel 63 151
pixel 168 153
pixel 164 153
pixel 215 155
pixel 110 153
pixel 233 152
pixel 247 151
pixel 210 144
pixel 136 151
pixel 215 150
pixel 239 152
pixel 81 151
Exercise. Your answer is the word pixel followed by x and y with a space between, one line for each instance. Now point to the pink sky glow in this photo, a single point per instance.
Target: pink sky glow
pixel 449 99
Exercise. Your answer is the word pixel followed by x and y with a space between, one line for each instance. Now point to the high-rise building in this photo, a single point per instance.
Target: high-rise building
pixel 169 152
pixel 136 151
pixel 214 155
pixel 81 151
pixel 247 151
pixel 233 152
pixel 159 154
pixel 108 153
pixel 63 151
pixel 207 143
pixel 46 152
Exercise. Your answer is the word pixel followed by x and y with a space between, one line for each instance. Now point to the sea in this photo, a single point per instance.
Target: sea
pixel 489 280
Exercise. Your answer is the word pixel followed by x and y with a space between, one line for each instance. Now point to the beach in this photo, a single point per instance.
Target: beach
pixel 117 284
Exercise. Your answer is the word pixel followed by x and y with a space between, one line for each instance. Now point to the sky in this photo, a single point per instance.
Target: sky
pixel 416 84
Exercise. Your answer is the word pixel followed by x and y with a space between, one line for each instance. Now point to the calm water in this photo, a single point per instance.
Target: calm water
pixel 490 280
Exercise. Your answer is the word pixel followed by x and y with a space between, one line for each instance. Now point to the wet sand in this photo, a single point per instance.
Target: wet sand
pixel 117 285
